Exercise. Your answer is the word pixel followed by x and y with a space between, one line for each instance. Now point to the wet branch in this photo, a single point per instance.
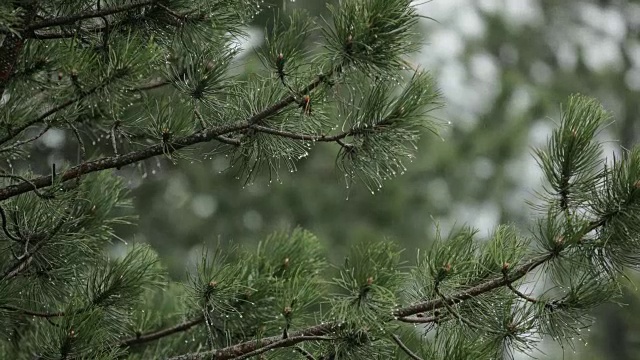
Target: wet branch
pixel 68 20
pixel 143 338
pixel 250 348
pixel 166 148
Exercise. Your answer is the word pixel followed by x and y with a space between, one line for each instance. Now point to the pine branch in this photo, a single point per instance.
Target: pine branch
pixel 119 161
pixel 68 20
pixel 12 134
pixel 240 350
pixel 25 180
pixel 255 347
pixel 143 338
pixel 27 141
pixel 65 34
pixel 482 288
pixel 168 148
pixel 25 259
pixel 123 160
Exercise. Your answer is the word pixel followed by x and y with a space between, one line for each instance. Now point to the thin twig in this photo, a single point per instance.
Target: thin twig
pixel 52 35
pixel 113 137
pixel 404 347
pixel 51 111
pixel 32 312
pixel 28 182
pixel 547 305
pixel 228 140
pixel 304 353
pixel 81 147
pixel 4 226
pixel 171 12
pixel 21 264
pixel 143 338
pixel 200 119
pixel 460 317
pixel 344 144
pixel 24 261
pixel 152 151
pixel 23 142
pixel 105 34
pixel 521 295
pixel 420 320
pixel 159 82
pixel 25 250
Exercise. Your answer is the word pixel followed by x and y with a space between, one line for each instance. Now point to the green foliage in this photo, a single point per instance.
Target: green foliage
pixel 456 347
pixel 573 156
pixel 201 74
pixel 369 282
pixel 506 247
pixel 95 312
pixel 386 128
pixel 617 202
pixel 372 35
pixel 286 44
pixel 157 77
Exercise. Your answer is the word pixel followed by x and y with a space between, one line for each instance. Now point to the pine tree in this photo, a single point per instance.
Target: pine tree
pixel 161 79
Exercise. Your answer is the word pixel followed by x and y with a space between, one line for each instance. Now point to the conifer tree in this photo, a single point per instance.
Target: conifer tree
pixel 160 79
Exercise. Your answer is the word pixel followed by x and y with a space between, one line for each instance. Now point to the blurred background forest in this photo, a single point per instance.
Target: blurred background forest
pixel 504 68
